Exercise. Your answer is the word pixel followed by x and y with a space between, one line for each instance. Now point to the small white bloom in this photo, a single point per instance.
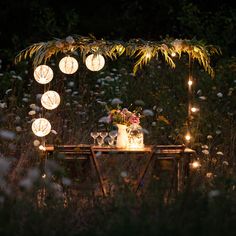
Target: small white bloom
pixel 3 105
pixel 8 135
pixel 124 174
pixel 202 98
pixel 220 153
pixel 32 106
pixel 70 40
pixel 116 101
pixel 218 131
pixel 8 91
pixel 209 137
pixel 148 112
pixel 36 143
pixel 225 163
pixel 209 175
pixel 66 181
pixel 25 99
pixel 204 147
pixel 213 193
pixel 104 119
pixel 31 113
pixel 54 131
pixel 154 123
pixel 219 95
pixel 18 129
pixel 71 84
pixel 205 151
pixel 139 103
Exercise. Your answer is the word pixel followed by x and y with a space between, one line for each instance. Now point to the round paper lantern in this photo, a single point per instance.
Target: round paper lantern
pixel 68 65
pixel 50 100
pixel 43 74
pixel 41 127
pixel 95 62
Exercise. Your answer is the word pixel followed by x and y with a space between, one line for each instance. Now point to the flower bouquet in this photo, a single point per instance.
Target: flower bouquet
pixel 130 133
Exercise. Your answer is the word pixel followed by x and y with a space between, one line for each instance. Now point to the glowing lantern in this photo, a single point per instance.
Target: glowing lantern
pixel 50 100
pixel 68 65
pixel 95 62
pixel 43 74
pixel 41 127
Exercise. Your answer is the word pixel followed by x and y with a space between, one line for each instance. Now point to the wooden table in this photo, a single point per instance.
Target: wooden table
pixel 178 153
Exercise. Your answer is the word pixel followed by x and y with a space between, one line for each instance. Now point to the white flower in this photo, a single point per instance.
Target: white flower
pixel 209 175
pixel 213 193
pixel 204 147
pixel 18 129
pixel 219 95
pixel 209 137
pixel 54 131
pixel 148 112
pixel 202 98
pixel 205 151
pixel 36 143
pixel 66 181
pixel 71 84
pixel 139 103
pixel 32 106
pixel 225 163
pixel 8 91
pixel 70 40
pixel 6 134
pixel 31 113
pixel 25 99
pixel 3 105
pixel 104 119
pixel 220 153
pixel 116 101
pixel 154 123
pixel 218 131
pixel 123 174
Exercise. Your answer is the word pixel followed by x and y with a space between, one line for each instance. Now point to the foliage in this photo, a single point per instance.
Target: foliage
pixel 143 50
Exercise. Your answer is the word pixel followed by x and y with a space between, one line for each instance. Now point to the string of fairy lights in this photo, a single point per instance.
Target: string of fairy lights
pixel 50 100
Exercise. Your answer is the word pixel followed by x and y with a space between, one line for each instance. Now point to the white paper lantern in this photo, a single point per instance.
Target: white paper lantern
pixel 95 62
pixel 50 100
pixel 43 74
pixel 68 65
pixel 41 127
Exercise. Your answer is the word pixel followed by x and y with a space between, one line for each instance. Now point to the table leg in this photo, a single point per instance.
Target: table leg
pixel 98 172
pixel 142 175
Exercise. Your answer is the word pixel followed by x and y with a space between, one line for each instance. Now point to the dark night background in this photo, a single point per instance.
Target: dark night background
pixel 28 21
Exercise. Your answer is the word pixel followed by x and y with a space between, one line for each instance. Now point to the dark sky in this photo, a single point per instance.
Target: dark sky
pixel 24 22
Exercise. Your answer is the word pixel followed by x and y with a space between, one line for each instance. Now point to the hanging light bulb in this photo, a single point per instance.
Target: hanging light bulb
pixel 190 82
pixel 50 100
pixel 41 127
pixel 43 74
pixel 68 65
pixel 173 54
pixel 187 137
pixel 194 109
pixel 95 62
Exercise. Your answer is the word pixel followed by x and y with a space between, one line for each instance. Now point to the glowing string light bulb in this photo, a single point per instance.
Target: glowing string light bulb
pixel 188 137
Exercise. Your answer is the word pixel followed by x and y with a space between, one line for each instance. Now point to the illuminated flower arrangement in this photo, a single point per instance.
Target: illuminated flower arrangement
pixel 123 116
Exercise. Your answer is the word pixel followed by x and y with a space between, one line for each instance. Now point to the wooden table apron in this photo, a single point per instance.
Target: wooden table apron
pixel 176 152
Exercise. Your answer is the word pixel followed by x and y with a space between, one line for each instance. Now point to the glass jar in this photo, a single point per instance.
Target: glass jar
pixel 135 136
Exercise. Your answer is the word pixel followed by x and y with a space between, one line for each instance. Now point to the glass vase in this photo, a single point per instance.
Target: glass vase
pixel 122 136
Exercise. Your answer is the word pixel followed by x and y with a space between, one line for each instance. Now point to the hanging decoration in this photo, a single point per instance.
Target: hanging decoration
pixel 95 62
pixel 50 100
pixel 41 127
pixel 68 65
pixel 142 50
pixel 43 74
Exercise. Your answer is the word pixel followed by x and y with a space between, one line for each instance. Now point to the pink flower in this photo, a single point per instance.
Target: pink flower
pixel 134 119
